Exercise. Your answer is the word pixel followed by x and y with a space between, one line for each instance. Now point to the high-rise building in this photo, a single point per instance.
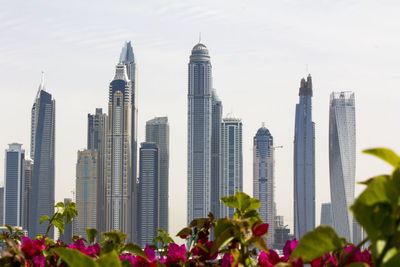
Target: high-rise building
pixel 216 153
pixel 28 170
pixel 118 176
pixel 1 206
pixel 66 237
pixel 342 160
pixel 199 133
pixel 157 131
pixel 96 141
pixel 326 214
pixel 86 193
pixel 14 185
pixel 231 161
pixel 304 162
pixel 42 153
pixel 148 193
pixel 128 59
pixel 263 177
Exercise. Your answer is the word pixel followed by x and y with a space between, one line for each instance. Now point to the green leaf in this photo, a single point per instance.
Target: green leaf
pixel 260 242
pixel 44 218
pixel 10 229
pixel 91 234
pixel 109 259
pixel 385 154
pixel 59 205
pixel 135 249
pixel 317 243
pixel 230 201
pixel 222 240
pixel 74 258
pixel 185 231
pixel 157 239
pixel 358 264
pixel 58 222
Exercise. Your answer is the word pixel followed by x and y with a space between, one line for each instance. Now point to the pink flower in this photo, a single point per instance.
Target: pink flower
pixel 150 253
pixel 259 228
pixel 175 254
pixel 90 251
pixel 128 256
pixel 32 248
pixel 358 256
pixel 268 260
pixel 203 254
pixel 288 249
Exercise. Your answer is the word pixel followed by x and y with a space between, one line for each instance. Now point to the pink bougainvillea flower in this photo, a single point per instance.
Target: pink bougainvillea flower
pixel 227 260
pixel 288 249
pixel 39 261
pixel 297 262
pixel 175 254
pixel 268 260
pixel 259 228
pixel 358 256
pixel 90 251
pixel 150 253
pixel 128 256
pixel 32 248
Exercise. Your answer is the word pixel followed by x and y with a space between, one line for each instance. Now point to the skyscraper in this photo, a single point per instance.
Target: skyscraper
pixel 14 185
pixel 118 177
pixel 86 193
pixel 326 214
pixel 263 177
pixel 96 141
pixel 216 153
pixel 148 193
pixel 128 59
pixel 1 206
pixel 42 154
pixel 304 162
pixel 231 161
pixel 199 133
pixel 342 160
pixel 28 171
pixel 157 131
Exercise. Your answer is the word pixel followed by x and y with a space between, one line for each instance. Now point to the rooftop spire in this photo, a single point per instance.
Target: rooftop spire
pixel 127 55
pixel 41 86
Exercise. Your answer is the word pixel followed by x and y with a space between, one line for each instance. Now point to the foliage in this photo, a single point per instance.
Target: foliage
pixel 238 241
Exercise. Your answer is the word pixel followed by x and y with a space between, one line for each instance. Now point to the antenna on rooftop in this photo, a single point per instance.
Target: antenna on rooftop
pixel 263 124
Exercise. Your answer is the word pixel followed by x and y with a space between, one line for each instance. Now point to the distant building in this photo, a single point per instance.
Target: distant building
pixel 304 162
pixel 157 131
pixel 66 237
pixel 148 193
pixel 86 195
pixel 42 154
pixel 231 161
pixel 216 121
pixel 1 206
pixel 326 214
pixel 14 185
pixel 342 160
pixel 263 177
pixel 28 170
pixel 96 141
pixel 199 133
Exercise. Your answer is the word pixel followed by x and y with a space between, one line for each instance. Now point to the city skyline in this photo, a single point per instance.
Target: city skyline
pixel 258 69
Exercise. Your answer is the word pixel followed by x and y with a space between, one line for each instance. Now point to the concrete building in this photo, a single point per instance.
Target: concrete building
pixel 28 171
pixel 326 214
pixel 1 206
pixel 231 161
pixel 304 162
pixel 342 160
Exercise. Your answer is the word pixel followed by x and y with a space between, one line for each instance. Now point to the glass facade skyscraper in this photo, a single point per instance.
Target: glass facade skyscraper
pixel 14 185
pixel 42 153
pixel 157 131
pixel 263 178
pixel 304 162
pixel 326 214
pixel 231 162
pixel 342 160
pixel 216 154
pixel 199 133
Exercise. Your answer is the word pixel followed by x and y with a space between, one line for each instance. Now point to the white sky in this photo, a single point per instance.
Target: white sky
pixel 259 51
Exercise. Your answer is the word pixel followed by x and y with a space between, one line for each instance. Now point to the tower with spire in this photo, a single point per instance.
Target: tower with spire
pixel 42 153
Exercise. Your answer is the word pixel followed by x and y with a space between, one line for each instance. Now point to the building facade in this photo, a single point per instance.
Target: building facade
pixel 96 141
pixel 216 154
pixel 42 153
pixel 1 206
pixel 86 191
pixel 263 178
pixel 326 214
pixel 199 133
pixel 148 193
pixel 118 177
pixel 28 172
pixel 231 161
pixel 14 185
pixel 304 162
pixel 157 131
pixel 342 160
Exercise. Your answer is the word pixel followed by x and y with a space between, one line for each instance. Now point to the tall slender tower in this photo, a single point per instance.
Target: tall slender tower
pixel 14 185
pixel 231 161
pixel 128 59
pixel 118 182
pixel 199 133
pixel 216 154
pixel 42 154
pixel 304 162
pixel 157 131
pixel 263 177
pixel 148 193
pixel 342 160
pixel 28 172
